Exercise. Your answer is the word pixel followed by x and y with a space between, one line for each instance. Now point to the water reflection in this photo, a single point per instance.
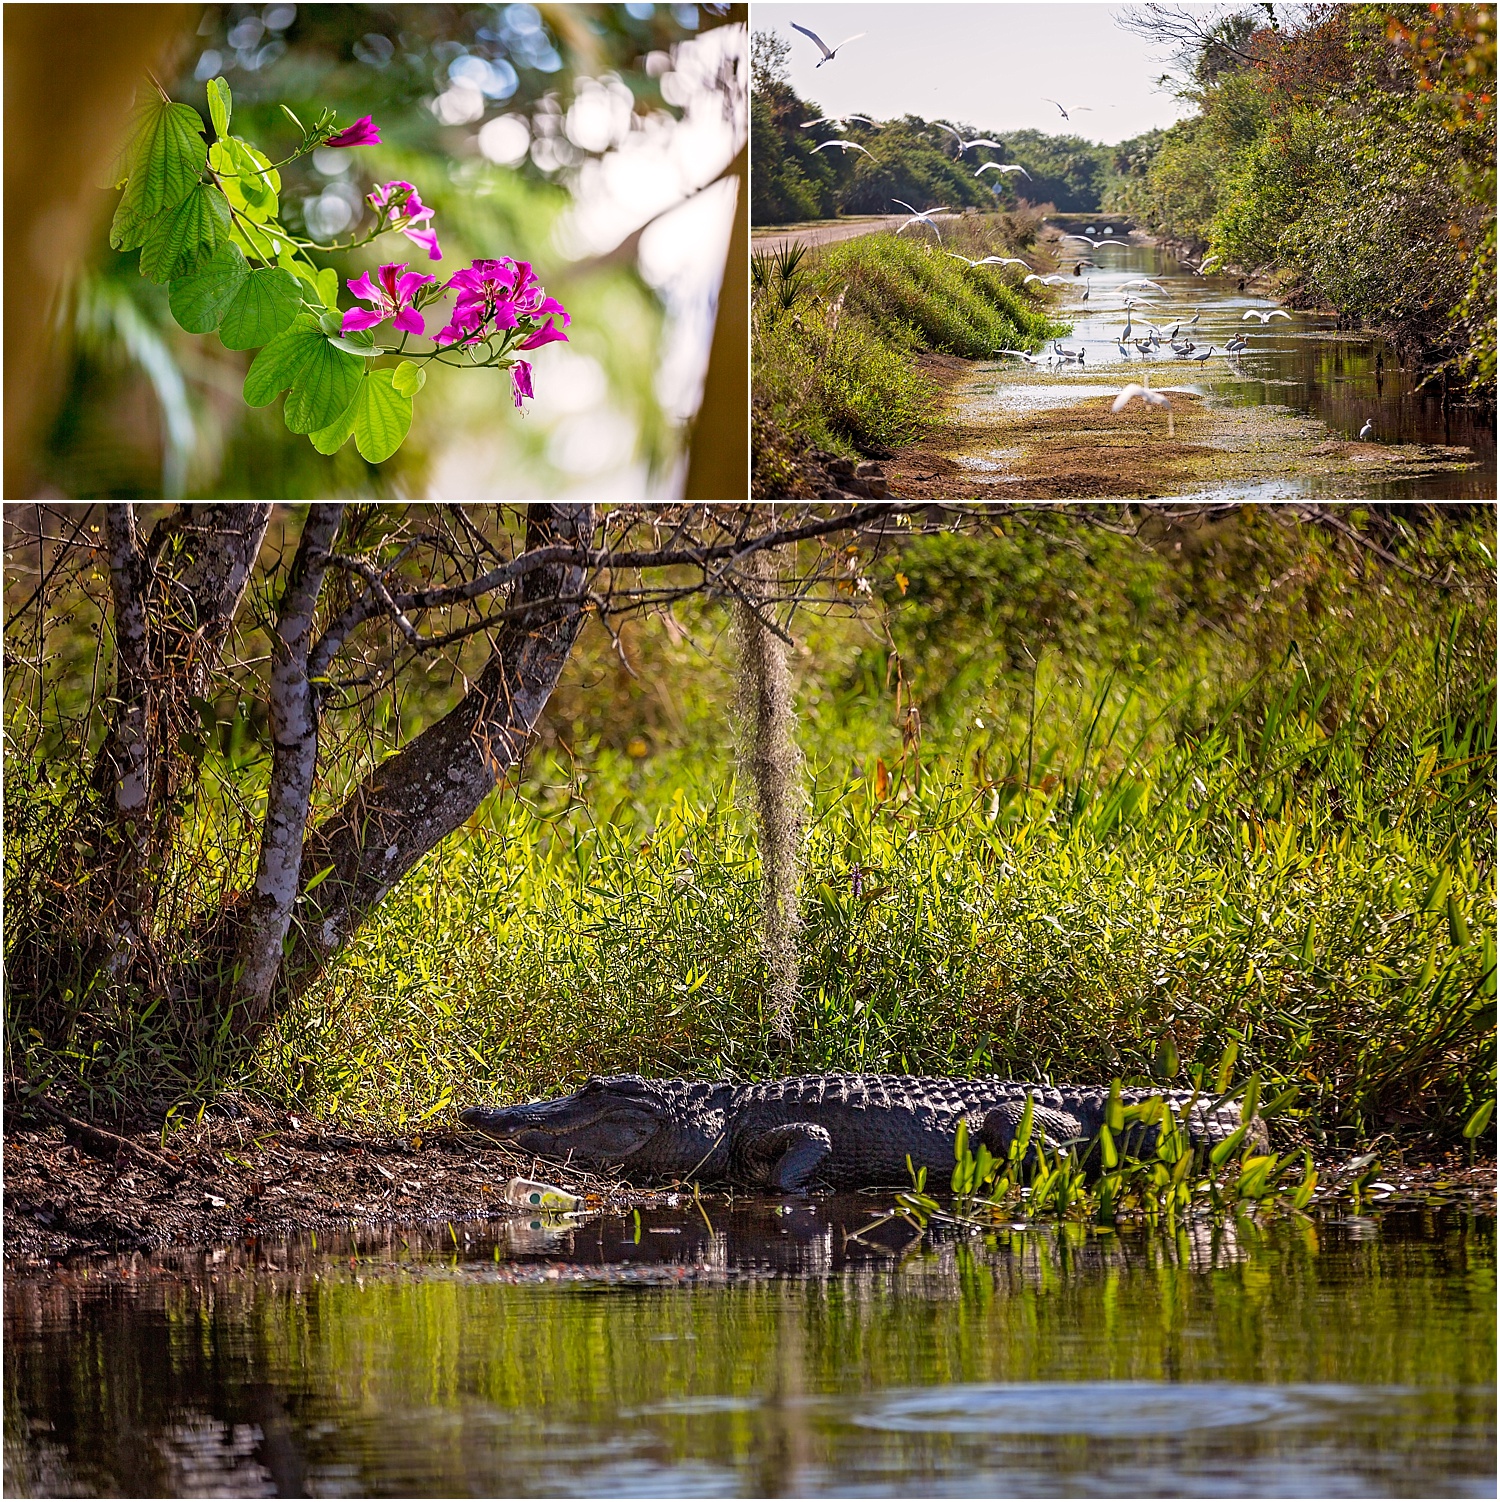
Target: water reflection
pixel 756 1347
pixel 1305 363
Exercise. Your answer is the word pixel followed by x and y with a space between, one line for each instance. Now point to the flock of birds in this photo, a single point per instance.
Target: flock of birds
pixel 1151 341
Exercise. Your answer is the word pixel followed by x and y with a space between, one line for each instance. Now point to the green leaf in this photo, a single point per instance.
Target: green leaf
pixel 324 385
pixel 1458 928
pixel 266 303
pixel 249 180
pixel 262 242
pixel 166 155
pixel 277 365
pixel 1226 1148
pixel 328 288
pixel 331 439
pixel 355 347
pixel 1479 1120
pixel 409 378
pixel 1114 1111
pixel 198 300
pixel 220 106
pixel 382 417
pixel 182 239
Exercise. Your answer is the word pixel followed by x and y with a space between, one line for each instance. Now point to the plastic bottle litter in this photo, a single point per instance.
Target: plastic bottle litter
pixel 535 1195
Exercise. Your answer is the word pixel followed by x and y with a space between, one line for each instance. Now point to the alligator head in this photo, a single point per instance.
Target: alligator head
pixel 604 1124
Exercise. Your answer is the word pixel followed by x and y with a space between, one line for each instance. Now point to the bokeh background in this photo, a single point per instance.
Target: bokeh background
pixel 603 143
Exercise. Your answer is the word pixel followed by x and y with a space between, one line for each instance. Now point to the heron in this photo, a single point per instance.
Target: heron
pixel 842 146
pixel 1148 398
pixel 1266 317
pixel 1050 281
pixel 964 145
pixel 1142 281
pixel 1368 431
pixel 1004 167
pixel 838 122
pixel 1028 358
pixel 1077 108
pixel 988 260
pixel 1069 354
pixel 922 216
pixel 1202 268
pixel 829 53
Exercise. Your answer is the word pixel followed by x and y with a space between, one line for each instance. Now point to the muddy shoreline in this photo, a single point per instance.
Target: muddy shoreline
pixel 270 1175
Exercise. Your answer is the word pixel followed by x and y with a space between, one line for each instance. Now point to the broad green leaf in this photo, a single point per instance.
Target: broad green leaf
pixel 409 378
pixel 277 365
pixel 328 288
pixel 355 347
pixel 332 321
pixel 324 385
pixel 167 154
pixel 182 239
pixel 142 119
pixel 249 181
pixel 255 240
pixel 220 106
pixel 198 301
pixel 382 417
pixel 266 303
pixel 331 439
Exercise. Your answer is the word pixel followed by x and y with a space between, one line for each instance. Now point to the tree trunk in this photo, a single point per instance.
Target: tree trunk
pixel 294 739
pixel 426 790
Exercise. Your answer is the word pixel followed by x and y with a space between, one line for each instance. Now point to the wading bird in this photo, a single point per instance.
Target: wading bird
pixel 1004 167
pixel 1368 431
pixel 1207 354
pixel 1148 398
pixel 1236 344
pixel 1141 281
pixel 1050 281
pixel 989 260
pixel 1029 359
pixel 842 146
pixel 964 145
pixel 922 216
pixel 1266 317
pixel 838 122
pixel 1069 354
pixel 1202 268
pixel 829 53
pixel 1078 108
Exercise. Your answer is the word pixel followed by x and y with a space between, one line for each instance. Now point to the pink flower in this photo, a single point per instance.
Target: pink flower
pixel 408 215
pixel 361 133
pixel 507 293
pixel 520 381
pixel 391 296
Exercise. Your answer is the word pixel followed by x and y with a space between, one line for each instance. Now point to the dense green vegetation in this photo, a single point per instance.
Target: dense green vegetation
pixel 912 159
pixel 836 336
pixel 1079 801
pixel 1351 156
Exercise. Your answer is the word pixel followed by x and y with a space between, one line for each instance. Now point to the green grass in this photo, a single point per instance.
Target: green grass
pixel 836 340
pixel 1235 790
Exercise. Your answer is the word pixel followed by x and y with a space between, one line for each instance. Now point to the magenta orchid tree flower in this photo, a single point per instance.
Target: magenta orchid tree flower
pixel 403 206
pixel 361 133
pixel 391 293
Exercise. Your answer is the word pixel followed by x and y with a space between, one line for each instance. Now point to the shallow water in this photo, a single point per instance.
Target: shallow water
pixel 1304 363
pixel 769 1355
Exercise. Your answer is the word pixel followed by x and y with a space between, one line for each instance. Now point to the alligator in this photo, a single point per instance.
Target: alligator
pixel 843 1131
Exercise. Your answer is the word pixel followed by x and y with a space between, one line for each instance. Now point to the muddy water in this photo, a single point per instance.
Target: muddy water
pixel 1303 363
pixel 755 1349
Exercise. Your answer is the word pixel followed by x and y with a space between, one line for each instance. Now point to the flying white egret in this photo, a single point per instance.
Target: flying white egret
pixel 1142 281
pixel 838 122
pixel 989 260
pixel 1078 108
pixel 1368 431
pixel 1202 268
pixel 842 146
pixel 1148 397
pixel 922 216
pixel 1029 359
pixel 1266 317
pixel 1051 281
pixel 1003 167
pixel 964 145
pixel 829 53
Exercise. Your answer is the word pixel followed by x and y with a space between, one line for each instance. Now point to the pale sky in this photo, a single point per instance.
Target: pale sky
pixel 988 63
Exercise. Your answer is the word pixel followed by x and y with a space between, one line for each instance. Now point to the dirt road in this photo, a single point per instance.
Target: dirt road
pixel 827 231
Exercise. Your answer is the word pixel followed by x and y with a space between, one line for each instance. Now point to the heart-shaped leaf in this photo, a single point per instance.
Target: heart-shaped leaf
pixel 266 303
pixel 409 378
pixel 382 417
pixel 324 385
pixel 181 239
pixel 198 301
pixel 277 365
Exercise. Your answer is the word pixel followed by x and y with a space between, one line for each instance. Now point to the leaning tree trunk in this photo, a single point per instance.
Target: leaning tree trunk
pixel 414 798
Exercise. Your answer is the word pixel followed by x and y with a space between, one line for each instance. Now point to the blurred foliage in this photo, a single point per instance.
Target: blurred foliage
pixel 1350 154
pixel 912 159
pixel 432 76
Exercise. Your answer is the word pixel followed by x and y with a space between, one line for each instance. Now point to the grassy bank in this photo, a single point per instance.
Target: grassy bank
pixel 837 335
pixel 1232 785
